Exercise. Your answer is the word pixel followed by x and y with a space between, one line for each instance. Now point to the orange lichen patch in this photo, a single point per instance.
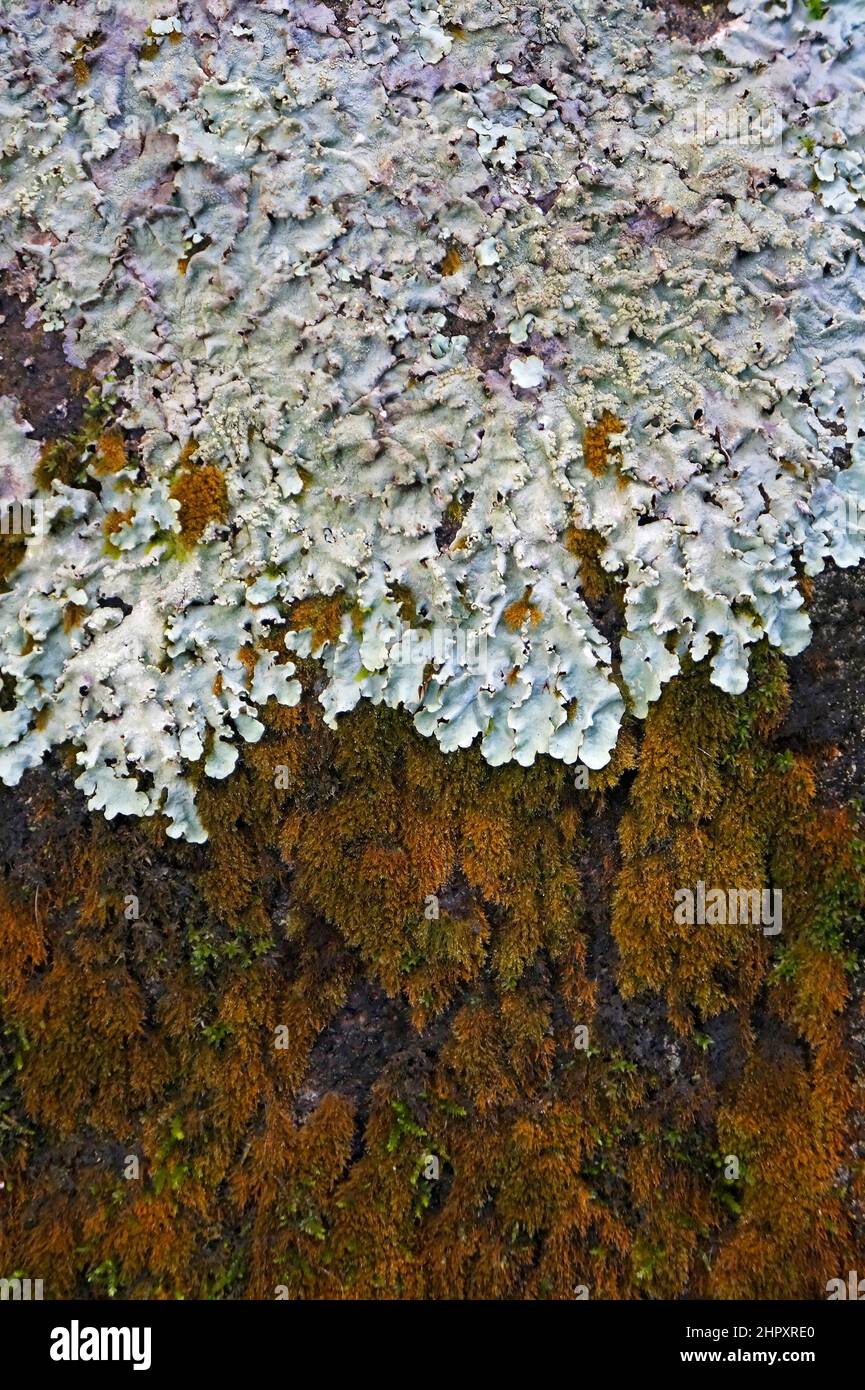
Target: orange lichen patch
pixel 452 261
pixel 80 72
pixel 596 442
pixel 521 610
pixel 217 684
pixel 110 453
pixel 203 498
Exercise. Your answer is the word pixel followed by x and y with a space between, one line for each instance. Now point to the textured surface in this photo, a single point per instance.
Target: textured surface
pixel 284 1036
pixel 332 1052
pixel 381 272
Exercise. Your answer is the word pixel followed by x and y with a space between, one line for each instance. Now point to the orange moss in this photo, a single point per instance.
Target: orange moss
pixel 12 550
pixel 110 453
pixel 484 1154
pixel 248 658
pixel 596 442
pixel 67 459
pixel 203 498
pixel 700 810
pixel 452 261
pixel 322 614
pixel 115 519
pixel 787 1125
pixel 520 611
pixel 595 582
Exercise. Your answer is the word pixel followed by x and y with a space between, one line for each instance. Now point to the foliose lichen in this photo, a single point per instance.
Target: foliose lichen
pixel 390 276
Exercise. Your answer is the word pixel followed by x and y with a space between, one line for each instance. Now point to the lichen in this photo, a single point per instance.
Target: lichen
pixel 434 276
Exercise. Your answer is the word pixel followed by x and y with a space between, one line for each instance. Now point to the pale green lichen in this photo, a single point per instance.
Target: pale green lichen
pixel 378 273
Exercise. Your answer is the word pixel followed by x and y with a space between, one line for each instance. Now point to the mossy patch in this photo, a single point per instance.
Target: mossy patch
pixel 203 498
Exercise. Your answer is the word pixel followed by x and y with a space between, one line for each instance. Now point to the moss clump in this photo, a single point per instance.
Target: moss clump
pixel 522 610
pixel 69 459
pixel 12 550
pixel 596 442
pixel 486 1156
pixel 111 453
pixel 452 261
pixel 595 582
pixel 706 805
pixel 203 498
pixel 322 615
pixel 115 519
